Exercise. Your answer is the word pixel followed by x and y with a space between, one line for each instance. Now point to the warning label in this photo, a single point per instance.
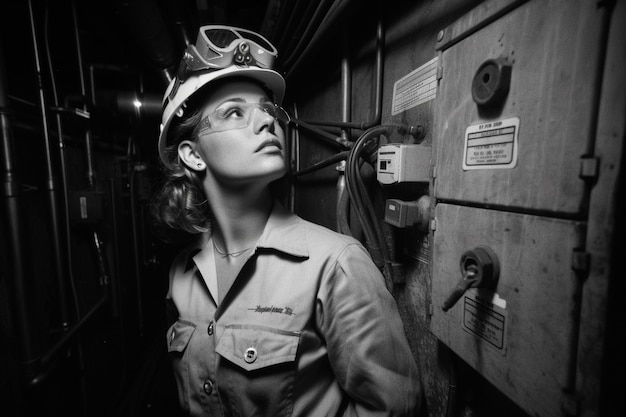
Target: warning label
pixel 484 319
pixel 491 145
pixel 415 88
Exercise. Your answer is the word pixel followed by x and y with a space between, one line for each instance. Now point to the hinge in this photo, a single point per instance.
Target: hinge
pixel 589 167
pixel 439 72
pixel 434 171
pixel 581 262
pixel 433 224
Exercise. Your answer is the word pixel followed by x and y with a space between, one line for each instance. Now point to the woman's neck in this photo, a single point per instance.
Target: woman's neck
pixel 239 217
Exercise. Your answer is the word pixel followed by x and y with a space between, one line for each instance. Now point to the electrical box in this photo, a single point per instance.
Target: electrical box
pixel 399 163
pixel 515 104
pixel 518 333
pixel 512 144
pixel 86 206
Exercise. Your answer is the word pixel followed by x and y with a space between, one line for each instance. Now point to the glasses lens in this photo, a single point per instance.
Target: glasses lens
pixel 235 115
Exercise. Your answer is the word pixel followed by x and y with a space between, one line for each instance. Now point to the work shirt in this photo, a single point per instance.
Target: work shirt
pixel 307 329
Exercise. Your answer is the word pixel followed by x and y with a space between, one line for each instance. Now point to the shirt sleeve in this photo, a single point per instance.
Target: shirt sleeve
pixel 365 338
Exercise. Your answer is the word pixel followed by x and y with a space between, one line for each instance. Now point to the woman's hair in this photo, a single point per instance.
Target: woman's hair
pixel 181 204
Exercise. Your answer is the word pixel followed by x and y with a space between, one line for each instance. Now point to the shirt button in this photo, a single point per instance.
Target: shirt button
pixel 207 386
pixel 250 355
pixel 211 329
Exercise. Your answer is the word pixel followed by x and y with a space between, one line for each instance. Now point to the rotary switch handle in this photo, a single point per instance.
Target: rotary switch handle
pixel 491 83
pixel 479 268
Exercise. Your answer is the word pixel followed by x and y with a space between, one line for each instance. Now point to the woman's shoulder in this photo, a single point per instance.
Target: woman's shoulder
pixel 323 238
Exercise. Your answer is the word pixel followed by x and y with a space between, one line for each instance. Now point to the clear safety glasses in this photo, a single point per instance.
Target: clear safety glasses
pixel 238 115
pixel 221 46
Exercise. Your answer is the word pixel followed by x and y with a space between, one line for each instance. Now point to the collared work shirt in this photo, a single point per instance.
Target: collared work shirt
pixel 307 329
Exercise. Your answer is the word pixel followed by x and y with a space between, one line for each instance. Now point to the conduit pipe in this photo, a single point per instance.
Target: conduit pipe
pixel 12 205
pixel 335 12
pixel 378 90
pixel 51 179
pixel 64 310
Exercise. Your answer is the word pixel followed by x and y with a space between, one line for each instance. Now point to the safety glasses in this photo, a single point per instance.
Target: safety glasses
pixel 238 115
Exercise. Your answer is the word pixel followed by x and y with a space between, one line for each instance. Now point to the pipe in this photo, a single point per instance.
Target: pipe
pixel 346 86
pixel 337 158
pixel 378 90
pixel 335 12
pixel 63 304
pixel 327 137
pixel 51 179
pixel 69 335
pixel 13 209
pixel 91 174
pixel 146 25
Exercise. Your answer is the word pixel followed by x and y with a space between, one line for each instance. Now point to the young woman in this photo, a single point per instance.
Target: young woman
pixel 274 315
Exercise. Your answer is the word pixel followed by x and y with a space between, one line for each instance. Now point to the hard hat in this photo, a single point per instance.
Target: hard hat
pixel 220 52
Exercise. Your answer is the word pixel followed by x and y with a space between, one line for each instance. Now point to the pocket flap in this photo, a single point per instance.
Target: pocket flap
pixel 255 347
pixel 178 335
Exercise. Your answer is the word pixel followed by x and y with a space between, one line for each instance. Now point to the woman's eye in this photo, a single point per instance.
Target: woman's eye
pixel 231 112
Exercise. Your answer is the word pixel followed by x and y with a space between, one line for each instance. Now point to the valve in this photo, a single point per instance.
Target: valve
pixel 479 268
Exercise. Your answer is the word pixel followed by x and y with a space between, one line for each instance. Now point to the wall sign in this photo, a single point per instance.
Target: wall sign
pixel 491 145
pixel 416 88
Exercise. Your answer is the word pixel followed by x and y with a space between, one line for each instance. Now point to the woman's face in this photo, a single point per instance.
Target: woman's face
pixel 238 142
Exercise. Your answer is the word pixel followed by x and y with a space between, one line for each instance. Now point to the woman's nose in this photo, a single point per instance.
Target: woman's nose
pixel 262 119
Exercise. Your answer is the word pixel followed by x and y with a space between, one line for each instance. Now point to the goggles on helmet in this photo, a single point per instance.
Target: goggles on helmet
pixel 220 52
pixel 237 115
pixel 219 46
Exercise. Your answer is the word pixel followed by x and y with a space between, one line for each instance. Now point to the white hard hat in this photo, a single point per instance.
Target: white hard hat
pixel 220 52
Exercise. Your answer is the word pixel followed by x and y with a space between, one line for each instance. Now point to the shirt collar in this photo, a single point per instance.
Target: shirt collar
pixel 284 231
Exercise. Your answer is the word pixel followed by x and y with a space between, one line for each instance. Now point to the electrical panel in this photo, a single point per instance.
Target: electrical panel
pixel 523 149
pixel 512 144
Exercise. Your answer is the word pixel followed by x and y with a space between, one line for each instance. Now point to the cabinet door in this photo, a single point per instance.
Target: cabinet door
pixel 534 163
pixel 519 334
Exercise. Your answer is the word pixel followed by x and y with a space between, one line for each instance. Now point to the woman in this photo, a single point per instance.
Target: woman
pixel 274 315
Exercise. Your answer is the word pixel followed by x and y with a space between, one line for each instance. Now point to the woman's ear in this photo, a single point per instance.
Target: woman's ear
pixel 190 157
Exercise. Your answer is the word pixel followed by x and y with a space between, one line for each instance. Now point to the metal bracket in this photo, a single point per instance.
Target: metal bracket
pixel 581 262
pixel 589 168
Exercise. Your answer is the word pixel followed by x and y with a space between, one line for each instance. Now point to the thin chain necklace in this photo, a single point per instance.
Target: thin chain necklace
pixel 231 254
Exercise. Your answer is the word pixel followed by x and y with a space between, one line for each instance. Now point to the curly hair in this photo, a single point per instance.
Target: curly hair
pixel 181 204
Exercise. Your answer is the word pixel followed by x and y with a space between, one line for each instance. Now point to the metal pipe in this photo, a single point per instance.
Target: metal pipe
pixel 61 290
pixel 346 85
pixel 69 335
pixel 53 204
pixel 335 12
pixel 378 90
pixel 12 206
pixel 51 179
pixel 91 174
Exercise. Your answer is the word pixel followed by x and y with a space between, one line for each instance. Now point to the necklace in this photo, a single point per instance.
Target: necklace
pixel 231 254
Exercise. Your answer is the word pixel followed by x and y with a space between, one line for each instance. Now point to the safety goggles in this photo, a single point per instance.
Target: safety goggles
pixel 222 46
pixel 238 115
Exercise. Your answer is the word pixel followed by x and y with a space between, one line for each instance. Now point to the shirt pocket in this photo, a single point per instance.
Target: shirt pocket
pixel 255 347
pixel 178 335
pixel 258 373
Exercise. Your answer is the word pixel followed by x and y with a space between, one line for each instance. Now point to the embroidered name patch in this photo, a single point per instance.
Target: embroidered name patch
pixel 271 309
